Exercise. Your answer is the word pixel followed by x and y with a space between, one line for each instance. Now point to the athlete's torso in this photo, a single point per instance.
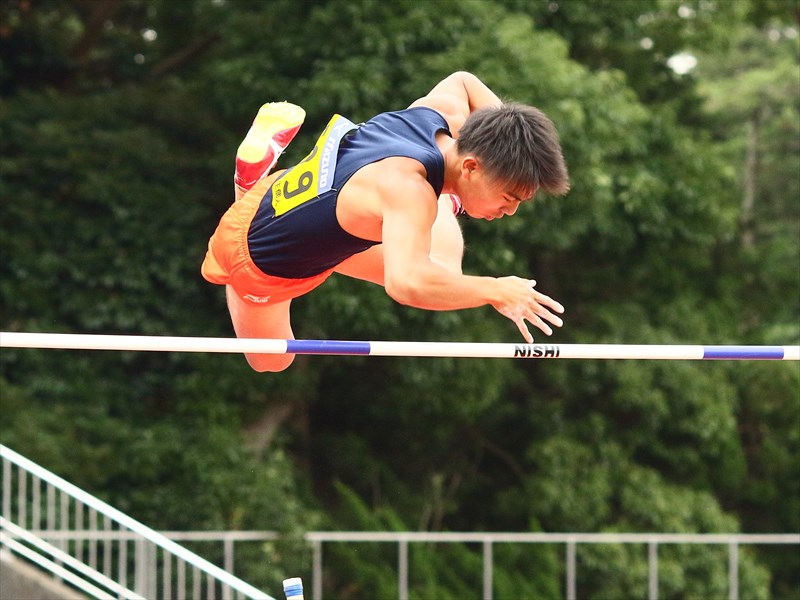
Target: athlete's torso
pixel 307 239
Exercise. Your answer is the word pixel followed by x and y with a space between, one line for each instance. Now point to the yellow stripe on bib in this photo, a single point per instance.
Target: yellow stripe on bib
pixel 312 176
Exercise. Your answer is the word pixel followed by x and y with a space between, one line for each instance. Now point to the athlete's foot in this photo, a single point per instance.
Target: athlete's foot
pixel 274 127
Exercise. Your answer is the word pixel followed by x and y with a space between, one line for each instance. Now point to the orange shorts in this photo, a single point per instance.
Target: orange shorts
pixel 228 260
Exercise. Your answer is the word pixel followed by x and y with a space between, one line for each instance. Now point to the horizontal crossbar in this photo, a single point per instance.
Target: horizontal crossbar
pixel 63 341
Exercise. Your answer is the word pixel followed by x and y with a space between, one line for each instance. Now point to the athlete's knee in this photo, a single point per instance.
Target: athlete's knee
pixel 448 247
pixel 269 363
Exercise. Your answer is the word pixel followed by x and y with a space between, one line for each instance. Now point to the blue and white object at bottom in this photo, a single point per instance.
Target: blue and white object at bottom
pixel 293 588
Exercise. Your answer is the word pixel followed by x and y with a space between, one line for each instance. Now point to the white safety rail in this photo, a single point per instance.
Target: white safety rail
pixel 650 543
pixel 569 540
pixel 52 523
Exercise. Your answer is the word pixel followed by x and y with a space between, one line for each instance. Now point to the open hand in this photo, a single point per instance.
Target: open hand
pixel 520 302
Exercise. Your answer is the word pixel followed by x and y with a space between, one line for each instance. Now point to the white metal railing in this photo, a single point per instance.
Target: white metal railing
pixel 105 553
pixel 77 574
pixel 571 540
pixel 488 540
pixel 45 519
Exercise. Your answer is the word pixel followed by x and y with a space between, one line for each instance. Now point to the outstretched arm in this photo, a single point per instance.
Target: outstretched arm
pixel 412 278
pixel 458 95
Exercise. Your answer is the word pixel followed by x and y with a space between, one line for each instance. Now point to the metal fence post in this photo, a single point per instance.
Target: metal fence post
pixel 7 489
pixel 166 579
pixel 140 568
pixel 652 564
pixel 153 570
pixel 22 498
pixel 316 592
pixel 733 571
pixel 227 546
pixel 36 484
pixel 488 569
pixel 571 570
pixel 228 551
pixel 402 571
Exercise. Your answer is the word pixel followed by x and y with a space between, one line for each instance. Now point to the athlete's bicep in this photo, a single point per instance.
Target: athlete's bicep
pixel 450 99
pixel 409 212
pixel 452 88
pixel 457 96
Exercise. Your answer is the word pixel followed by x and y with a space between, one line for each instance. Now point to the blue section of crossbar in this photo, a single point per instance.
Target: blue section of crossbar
pixel 742 352
pixel 326 347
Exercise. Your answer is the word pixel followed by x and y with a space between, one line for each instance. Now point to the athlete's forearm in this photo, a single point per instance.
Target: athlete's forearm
pixel 470 92
pixel 434 287
pixel 478 93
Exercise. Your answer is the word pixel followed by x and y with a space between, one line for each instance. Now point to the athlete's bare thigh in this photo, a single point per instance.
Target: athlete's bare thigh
pixel 267 321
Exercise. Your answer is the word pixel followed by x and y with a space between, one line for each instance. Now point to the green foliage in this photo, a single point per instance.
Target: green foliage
pixel 444 570
pixel 117 145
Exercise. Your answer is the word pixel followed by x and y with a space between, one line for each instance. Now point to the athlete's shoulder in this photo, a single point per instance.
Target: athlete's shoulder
pixel 402 176
pixel 448 107
pixel 414 114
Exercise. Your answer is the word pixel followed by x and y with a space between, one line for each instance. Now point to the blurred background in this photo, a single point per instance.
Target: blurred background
pixel 680 123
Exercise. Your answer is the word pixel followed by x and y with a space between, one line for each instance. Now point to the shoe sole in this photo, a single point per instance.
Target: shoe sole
pixel 274 121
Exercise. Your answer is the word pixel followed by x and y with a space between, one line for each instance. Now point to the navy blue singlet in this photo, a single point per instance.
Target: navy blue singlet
pixel 308 239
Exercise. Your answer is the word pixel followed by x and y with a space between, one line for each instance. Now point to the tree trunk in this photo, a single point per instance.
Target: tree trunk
pixel 749 184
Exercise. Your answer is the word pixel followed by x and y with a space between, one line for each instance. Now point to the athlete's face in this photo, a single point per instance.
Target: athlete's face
pixel 486 197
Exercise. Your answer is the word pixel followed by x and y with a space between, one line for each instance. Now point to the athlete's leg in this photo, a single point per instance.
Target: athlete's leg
pixel 270 321
pixel 447 249
pixel 447 241
pixel 367 265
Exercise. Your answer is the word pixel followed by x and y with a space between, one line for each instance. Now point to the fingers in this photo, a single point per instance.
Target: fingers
pixel 548 301
pixel 537 322
pixel 534 320
pixel 539 312
pixel 539 315
pixel 523 329
pixel 534 307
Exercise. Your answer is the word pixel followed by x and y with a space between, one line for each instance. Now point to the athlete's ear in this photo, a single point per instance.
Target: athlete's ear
pixel 468 165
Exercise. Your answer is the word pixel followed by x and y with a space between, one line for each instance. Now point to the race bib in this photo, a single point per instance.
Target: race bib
pixel 312 176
